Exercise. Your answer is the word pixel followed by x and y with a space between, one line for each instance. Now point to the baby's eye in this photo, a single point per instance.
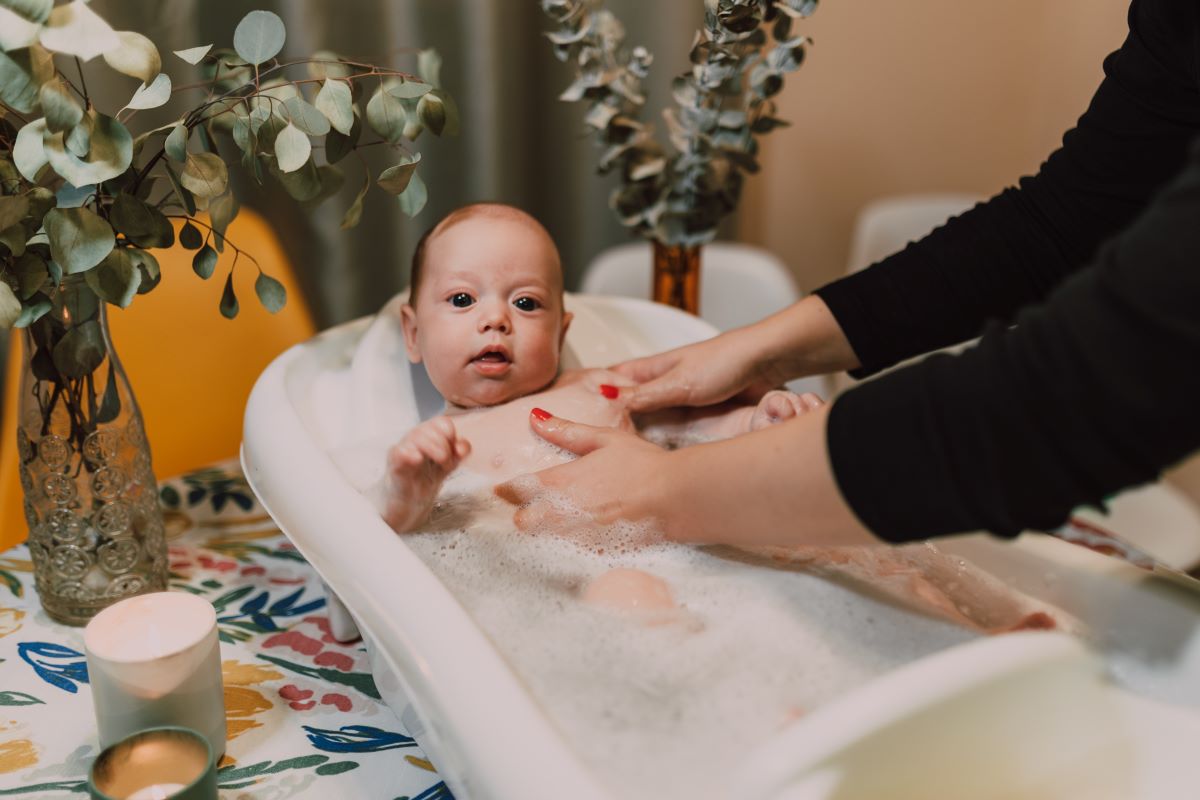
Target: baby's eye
pixel 461 300
pixel 527 304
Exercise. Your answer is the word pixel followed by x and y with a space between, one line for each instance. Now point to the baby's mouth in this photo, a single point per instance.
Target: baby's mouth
pixel 491 361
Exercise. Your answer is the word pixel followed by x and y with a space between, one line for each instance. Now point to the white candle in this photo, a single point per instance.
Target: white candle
pixel 153 660
pixel 159 791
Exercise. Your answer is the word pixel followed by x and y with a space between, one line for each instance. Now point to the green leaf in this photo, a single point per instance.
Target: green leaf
pixel 270 293
pixel 439 113
pixel 10 306
pixel 303 184
pixel 148 266
pixel 17 86
pixel 13 237
pixel 29 10
pixel 292 148
pixel 353 214
pixel 76 30
pixel 229 302
pixel 338 146
pixel 204 262
pixel 116 279
pixel 175 145
pixel 413 198
pixel 17 32
pixel 385 115
pixel 406 90
pixel 185 197
pixel 194 55
pixel 62 110
pixel 80 350
pixel 259 36
pixel 142 223
pixel 79 140
pixel 336 103
pixel 153 95
pixel 395 179
pixel 221 211
pixel 110 153
pixel 190 236
pixel 429 66
pixel 136 57
pixel 11 698
pixel 31 274
pixel 110 403
pixel 12 210
pixel 205 175
pixel 29 155
pixel 41 200
pixel 306 117
pixel 79 240
pixel 32 312
pixel 326 64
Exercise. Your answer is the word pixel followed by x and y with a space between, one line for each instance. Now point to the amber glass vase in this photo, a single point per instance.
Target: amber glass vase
pixel 91 501
pixel 677 276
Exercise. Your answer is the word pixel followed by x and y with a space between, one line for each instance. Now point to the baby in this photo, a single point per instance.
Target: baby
pixel 486 318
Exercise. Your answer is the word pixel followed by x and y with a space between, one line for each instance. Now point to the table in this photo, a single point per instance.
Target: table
pixel 304 717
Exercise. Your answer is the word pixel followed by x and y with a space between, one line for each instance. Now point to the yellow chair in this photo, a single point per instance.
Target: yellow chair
pixel 190 368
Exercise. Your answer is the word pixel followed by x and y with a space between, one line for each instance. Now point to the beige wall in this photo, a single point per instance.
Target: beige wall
pixel 925 95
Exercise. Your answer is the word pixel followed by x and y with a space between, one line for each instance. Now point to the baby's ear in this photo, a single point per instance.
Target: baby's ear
pixel 408 321
pixel 562 337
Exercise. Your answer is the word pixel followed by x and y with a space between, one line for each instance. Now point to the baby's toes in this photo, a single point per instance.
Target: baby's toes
pixel 775 407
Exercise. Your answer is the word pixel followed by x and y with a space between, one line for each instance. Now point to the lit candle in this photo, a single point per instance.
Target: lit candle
pixel 155 764
pixel 153 660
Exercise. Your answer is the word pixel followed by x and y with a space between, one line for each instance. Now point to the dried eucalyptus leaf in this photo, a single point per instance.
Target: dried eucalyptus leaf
pixel 408 89
pixel 109 155
pixel 31 275
pixel 80 351
pixel 259 36
pixel 326 64
pixel 353 214
pixel 190 236
pixel 204 262
pixel 14 238
pixel 221 212
pixel 429 67
pixel 41 200
pixel 147 266
pixel 79 239
pixel 60 107
pixel 439 107
pixel 152 95
pixel 292 148
pixel 29 155
pixel 303 184
pixel 395 179
pixel 110 402
pixel 204 175
pixel 270 293
pixel 12 210
pixel 334 101
pixel 10 307
pixel 175 145
pixel 413 198
pixel 79 140
pixel 115 279
pixel 229 301
pixel 17 86
pixel 136 56
pixel 141 223
pixel 385 115
pixel 194 55
pixel 75 30
pixel 306 117
pixel 186 200
pixel 338 146
pixel 32 312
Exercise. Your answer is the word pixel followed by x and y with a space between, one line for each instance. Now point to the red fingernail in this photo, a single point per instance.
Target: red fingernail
pixel 611 392
pixel 541 414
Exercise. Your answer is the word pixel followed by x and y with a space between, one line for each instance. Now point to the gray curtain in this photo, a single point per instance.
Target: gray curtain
pixel 518 145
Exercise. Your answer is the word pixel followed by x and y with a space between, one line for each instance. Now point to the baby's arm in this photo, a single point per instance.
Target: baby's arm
pixel 416 468
pixel 682 426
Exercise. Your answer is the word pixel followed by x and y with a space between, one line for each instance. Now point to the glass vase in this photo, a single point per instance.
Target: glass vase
pixel 677 276
pixel 91 501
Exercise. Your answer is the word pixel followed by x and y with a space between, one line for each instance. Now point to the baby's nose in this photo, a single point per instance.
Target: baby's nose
pixel 494 318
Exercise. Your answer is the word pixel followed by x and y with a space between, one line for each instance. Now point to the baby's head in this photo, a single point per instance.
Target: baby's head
pixel 485 310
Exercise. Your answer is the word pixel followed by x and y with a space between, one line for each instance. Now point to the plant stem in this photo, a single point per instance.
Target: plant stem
pixel 83 82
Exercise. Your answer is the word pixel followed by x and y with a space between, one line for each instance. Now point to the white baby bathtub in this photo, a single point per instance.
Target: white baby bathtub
pixel 1032 715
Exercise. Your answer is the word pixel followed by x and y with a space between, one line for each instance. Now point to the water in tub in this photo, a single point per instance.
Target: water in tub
pixel 664 664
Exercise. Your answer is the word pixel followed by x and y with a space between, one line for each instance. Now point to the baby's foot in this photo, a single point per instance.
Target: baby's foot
pixel 780 406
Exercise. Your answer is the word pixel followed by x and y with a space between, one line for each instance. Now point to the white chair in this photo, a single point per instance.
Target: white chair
pixel 1158 518
pixel 739 284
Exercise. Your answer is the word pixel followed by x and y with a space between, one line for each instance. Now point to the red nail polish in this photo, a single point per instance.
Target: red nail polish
pixel 541 414
pixel 611 392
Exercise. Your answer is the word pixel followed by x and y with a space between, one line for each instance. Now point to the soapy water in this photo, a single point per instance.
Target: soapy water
pixel 663 702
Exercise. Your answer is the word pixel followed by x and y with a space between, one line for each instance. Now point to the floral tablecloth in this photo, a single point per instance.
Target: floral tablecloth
pixel 304 717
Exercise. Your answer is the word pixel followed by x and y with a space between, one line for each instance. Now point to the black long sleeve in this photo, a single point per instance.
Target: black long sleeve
pixel 1096 387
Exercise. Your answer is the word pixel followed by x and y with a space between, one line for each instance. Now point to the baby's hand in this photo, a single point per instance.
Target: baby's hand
pixel 416 468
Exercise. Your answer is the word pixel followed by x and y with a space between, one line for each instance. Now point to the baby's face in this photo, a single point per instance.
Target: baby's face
pixel 489 321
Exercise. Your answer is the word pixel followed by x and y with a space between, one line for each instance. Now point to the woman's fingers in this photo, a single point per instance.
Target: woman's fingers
pixel 648 368
pixel 580 439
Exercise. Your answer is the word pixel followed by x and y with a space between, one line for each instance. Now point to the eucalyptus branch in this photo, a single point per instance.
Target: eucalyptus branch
pixel 83 82
pixel 197 221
